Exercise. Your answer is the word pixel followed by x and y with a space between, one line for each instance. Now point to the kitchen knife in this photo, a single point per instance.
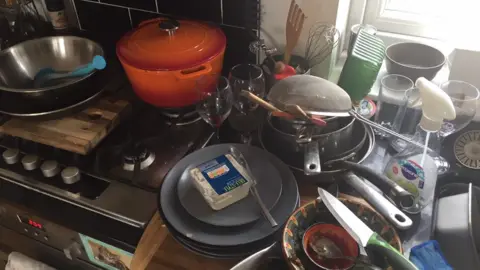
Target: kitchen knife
pixel 367 238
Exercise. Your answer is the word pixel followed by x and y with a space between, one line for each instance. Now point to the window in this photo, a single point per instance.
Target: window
pixel 440 19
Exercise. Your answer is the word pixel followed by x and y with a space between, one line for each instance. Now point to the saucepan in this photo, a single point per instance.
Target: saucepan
pixel 20 63
pixel 335 165
pixel 316 142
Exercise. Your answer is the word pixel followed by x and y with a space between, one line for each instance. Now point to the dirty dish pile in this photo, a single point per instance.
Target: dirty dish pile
pixel 239 229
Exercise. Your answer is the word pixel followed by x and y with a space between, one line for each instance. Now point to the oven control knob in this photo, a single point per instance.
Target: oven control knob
pixel 30 162
pixel 71 175
pixel 11 156
pixel 50 168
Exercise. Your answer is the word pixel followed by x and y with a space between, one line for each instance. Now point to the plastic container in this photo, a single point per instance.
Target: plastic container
pixel 414 168
pixel 362 66
pixel 221 181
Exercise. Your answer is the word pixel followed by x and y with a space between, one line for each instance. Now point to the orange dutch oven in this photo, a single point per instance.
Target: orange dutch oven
pixel 164 59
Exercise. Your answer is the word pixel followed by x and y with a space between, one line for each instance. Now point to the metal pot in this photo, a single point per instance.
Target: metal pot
pixel 359 148
pixel 326 142
pixel 164 58
pixel 19 65
pixel 275 143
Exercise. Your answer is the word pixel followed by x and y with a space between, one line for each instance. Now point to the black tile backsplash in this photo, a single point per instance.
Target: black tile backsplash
pixel 140 16
pixel 140 4
pixel 237 47
pixel 205 10
pixel 116 17
pixel 103 18
pixel 234 13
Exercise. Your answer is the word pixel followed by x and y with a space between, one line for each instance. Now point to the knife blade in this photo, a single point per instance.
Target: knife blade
pixel 364 236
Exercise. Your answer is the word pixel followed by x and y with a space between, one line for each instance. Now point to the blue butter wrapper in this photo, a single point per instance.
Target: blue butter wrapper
pixel 222 175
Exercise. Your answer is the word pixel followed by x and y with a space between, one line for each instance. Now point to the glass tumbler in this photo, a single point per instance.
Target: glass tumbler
pixel 391 99
pixel 407 118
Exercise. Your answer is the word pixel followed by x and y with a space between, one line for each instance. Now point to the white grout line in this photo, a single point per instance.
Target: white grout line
pixel 156 5
pixel 76 14
pixel 221 9
pixel 234 26
pixel 130 17
pixel 113 5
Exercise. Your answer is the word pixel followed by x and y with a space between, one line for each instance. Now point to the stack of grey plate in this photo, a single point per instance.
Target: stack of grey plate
pixel 239 229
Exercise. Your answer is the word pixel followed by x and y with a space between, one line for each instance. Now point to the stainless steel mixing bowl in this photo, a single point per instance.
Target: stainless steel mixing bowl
pixel 19 64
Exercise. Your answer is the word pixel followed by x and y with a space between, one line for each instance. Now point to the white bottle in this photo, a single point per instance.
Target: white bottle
pixel 414 168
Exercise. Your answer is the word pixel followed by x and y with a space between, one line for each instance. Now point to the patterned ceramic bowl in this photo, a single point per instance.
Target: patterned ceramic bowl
pixel 314 212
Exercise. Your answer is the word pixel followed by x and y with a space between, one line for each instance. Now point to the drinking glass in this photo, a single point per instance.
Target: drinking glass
pixel 391 99
pixel 407 118
pixel 464 97
pixel 216 100
pixel 247 77
pixel 244 118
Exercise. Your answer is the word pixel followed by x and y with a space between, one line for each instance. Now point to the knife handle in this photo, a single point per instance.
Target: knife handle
pixel 380 203
pixel 402 198
pixel 394 258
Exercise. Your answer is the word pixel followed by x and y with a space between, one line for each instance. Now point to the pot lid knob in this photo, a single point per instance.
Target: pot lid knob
pixel 169 25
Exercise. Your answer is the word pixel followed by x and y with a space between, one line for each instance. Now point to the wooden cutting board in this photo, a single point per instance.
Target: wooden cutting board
pixel 78 133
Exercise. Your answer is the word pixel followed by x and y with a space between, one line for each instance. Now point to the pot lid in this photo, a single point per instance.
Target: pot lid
pixel 165 44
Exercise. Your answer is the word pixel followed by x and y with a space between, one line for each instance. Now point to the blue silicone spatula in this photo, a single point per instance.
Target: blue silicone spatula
pixel 48 74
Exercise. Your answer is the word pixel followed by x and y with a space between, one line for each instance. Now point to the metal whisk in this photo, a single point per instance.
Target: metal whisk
pixel 322 39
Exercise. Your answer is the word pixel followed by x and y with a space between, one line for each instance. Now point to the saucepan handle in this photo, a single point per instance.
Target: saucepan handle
pixel 204 69
pixel 312 159
pixel 401 197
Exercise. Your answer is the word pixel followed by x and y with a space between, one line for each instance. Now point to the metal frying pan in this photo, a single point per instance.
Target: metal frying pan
pixel 100 83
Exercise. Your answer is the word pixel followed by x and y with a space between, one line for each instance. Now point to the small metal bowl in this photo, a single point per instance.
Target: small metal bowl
pixel 414 60
pixel 339 236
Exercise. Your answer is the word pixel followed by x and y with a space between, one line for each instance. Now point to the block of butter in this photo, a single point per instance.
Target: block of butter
pixel 221 181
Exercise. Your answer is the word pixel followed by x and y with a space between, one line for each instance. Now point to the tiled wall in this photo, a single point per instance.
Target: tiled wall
pixel 238 19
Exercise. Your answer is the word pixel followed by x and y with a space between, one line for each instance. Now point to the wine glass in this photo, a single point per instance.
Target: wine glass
pixel 216 100
pixel 250 78
pixel 464 97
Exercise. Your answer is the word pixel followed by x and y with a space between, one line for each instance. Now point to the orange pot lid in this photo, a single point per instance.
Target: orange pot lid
pixel 164 44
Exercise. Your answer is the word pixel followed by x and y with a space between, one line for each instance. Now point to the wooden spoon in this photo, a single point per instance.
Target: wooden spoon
pixel 293 29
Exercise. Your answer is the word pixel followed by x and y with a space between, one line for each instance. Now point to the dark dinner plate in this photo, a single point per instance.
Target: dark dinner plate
pixel 247 210
pixel 198 231
pixel 238 251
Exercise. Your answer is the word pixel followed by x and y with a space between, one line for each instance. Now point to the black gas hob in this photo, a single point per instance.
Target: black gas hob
pixel 111 193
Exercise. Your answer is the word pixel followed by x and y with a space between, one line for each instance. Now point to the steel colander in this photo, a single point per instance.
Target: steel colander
pixel 315 95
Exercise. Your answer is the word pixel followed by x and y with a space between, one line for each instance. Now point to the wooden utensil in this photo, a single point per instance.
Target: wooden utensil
pixel 293 29
pixel 267 105
pixel 151 240
pixel 254 98
pixel 298 111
